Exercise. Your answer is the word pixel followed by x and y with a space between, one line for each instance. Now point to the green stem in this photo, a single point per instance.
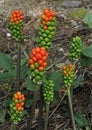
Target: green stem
pixel 18 64
pixel 40 109
pixel 71 107
pixel 47 115
pixel 14 127
pixel 31 113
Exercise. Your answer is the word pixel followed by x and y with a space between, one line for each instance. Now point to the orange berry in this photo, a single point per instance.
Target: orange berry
pixel 18 93
pixel 45 27
pixel 40 68
pixel 44 64
pixel 22 103
pixel 31 61
pixel 46 11
pixel 64 67
pixel 43 22
pixel 43 16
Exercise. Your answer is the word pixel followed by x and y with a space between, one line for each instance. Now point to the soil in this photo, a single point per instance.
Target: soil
pixel 67 28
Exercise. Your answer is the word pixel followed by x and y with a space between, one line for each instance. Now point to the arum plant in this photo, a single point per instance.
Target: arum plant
pixel 48 94
pixel 68 75
pixel 16 109
pixel 37 64
pixel 16 28
pixel 75 48
pixel 47 28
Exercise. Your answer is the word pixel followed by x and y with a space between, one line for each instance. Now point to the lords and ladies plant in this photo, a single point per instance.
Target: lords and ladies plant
pixel 38 63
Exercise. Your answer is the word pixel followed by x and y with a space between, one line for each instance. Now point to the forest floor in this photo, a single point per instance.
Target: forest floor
pixel 68 25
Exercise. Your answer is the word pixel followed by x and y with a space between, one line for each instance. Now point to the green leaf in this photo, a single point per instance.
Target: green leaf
pixel 56 97
pixel 78 81
pixel 85 61
pixel 88 128
pixel 28 102
pixel 5 77
pixel 23 61
pixel 29 84
pixel 57 78
pixel 6 61
pixel 2 116
pixel 88 20
pixel 6 103
pixel 87 51
pixel 81 119
pixel 23 70
pixel 24 113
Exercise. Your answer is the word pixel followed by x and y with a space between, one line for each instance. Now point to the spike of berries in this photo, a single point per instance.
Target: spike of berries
pixel 75 48
pixel 68 74
pixel 17 107
pixel 38 63
pixel 16 25
pixel 48 90
pixel 47 28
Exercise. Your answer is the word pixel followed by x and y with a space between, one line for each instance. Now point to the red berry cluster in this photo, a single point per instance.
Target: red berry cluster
pixel 16 25
pixel 16 16
pixel 38 62
pixel 17 107
pixel 47 16
pixel 68 74
pixel 19 101
pixel 47 28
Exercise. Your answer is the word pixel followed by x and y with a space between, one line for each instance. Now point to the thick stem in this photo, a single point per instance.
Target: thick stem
pixel 47 116
pixel 18 64
pixel 40 110
pixel 13 127
pixel 71 108
pixel 31 113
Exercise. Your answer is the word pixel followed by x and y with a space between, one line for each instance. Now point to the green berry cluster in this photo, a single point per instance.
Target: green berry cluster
pixel 46 29
pixel 16 25
pixel 48 90
pixel 5 86
pixel 75 48
pixel 17 107
pixel 17 31
pixel 68 75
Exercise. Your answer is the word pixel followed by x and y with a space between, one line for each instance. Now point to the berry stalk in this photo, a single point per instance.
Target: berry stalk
pixel 47 115
pixel 35 97
pixel 13 127
pixel 71 107
pixel 40 109
pixel 18 65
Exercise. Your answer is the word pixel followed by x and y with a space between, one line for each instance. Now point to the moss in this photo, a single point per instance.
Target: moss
pixel 77 14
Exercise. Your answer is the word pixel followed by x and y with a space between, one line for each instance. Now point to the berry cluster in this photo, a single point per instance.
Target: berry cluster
pixel 16 24
pixel 38 63
pixel 17 107
pixel 68 74
pixel 48 90
pixel 75 48
pixel 47 28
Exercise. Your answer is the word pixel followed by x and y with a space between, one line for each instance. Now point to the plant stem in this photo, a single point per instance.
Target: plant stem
pixel 47 115
pixel 40 110
pixel 31 113
pixel 18 64
pixel 13 127
pixel 71 107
